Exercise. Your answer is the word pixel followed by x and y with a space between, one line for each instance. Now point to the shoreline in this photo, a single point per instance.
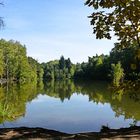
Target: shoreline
pixel 132 132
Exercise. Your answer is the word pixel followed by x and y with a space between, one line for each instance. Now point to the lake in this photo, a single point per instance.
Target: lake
pixel 68 106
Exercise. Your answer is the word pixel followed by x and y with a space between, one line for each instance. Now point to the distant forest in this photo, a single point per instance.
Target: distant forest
pixel 121 64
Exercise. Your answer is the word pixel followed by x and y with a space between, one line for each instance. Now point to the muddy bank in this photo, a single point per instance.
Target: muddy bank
pixel 45 134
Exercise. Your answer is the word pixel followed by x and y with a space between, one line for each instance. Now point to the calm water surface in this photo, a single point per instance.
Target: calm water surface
pixel 67 106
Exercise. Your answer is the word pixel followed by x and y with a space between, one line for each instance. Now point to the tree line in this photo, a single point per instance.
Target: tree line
pixel 15 65
pixel 58 69
pixel 121 64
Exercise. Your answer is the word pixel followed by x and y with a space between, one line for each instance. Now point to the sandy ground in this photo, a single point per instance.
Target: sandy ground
pixel 132 133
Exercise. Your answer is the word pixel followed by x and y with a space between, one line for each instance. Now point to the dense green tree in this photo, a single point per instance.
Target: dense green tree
pixel 78 74
pixel 97 67
pixel 128 59
pixel 51 70
pixel 117 74
pixel 1 63
pixel 58 69
pixel 9 58
pixel 40 73
pixel 33 64
pixel 37 70
pixel 62 63
pixel 68 64
pixel 15 65
pixel 120 16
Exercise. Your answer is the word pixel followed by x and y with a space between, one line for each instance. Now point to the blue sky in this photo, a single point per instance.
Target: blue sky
pixel 51 28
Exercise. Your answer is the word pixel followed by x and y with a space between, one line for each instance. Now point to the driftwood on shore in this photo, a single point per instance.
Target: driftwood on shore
pixel 45 134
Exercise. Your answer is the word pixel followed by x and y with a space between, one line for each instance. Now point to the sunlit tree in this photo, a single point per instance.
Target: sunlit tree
pixel 119 16
pixel 117 74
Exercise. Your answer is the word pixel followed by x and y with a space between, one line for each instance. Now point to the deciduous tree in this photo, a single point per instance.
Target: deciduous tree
pixel 119 16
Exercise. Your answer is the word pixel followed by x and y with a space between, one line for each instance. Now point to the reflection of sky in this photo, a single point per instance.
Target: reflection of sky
pixel 74 115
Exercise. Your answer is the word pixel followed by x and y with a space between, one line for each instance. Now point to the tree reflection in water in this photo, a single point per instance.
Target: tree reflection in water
pixel 124 100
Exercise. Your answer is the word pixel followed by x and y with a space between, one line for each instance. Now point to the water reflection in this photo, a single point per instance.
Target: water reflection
pixel 123 101
pixel 14 98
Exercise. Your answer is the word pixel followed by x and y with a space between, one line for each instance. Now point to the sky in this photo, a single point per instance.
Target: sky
pixel 52 28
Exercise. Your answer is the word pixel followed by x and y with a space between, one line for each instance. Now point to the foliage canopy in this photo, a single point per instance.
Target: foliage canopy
pixel 119 16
